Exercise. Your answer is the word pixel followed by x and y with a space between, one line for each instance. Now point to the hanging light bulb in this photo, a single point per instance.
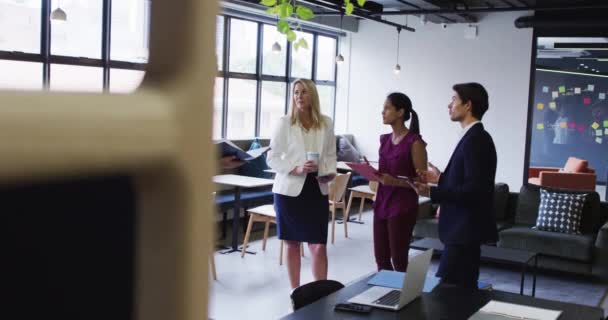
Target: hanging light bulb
pixel 423 19
pixel 397 69
pixel 339 59
pixel 58 15
pixel 276 47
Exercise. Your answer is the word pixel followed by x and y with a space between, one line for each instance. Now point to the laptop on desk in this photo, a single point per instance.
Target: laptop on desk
pixel 391 299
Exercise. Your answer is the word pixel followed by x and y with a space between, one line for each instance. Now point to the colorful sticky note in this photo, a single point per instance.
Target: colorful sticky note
pixel 554 94
pixel 552 105
pixel 598 140
pixel 540 126
pixel 577 90
pixel 595 125
pixel 540 106
pixel 545 89
pixel 606 132
pixel 590 87
pixel 587 100
pixel 581 128
pixel 563 125
pixel 599 132
pixel 562 89
pixel 602 96
pixel 605 123
pixel 571 125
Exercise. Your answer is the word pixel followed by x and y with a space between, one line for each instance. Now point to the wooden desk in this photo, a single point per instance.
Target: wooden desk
pixel 238 182
pixel 450 303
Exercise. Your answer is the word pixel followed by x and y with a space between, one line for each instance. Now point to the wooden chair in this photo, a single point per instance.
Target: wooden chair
pixel 212 263
pixel 337 192
pixel 363 192
pixel 267 215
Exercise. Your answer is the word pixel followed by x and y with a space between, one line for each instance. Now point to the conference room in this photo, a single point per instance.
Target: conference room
pixel 144 177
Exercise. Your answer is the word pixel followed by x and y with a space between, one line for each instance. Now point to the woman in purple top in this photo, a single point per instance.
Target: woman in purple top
pixel 402 152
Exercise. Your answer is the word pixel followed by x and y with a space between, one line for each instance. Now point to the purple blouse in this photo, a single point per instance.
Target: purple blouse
pixel 396 160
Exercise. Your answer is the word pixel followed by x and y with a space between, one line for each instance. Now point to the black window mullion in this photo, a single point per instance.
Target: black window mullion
pixel 45 42
pixel 313 75
pixel 226 63
pixel 105 42
pixel 288 75
pixel 258 100
pixel 335 79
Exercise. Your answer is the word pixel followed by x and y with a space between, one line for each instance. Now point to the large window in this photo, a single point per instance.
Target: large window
pixel 99 45
pixel 259 76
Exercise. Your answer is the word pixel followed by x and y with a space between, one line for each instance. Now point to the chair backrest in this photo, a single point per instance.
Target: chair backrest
pixel 373 185
pixel 313 291
pixel 337 188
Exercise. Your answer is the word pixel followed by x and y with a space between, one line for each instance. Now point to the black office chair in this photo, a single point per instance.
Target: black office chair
pixel 311 292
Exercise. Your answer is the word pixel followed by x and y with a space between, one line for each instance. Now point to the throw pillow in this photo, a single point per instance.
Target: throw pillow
pixel 560 212
pixel 255 167
pixel 347 152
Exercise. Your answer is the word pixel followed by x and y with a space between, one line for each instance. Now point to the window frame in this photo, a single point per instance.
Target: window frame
pixel 46 58
pixel 259 77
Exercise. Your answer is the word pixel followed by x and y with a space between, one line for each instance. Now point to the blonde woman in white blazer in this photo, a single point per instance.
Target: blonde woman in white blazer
pixel 300 185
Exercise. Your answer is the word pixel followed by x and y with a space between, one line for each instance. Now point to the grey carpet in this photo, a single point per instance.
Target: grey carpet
pixel 550 286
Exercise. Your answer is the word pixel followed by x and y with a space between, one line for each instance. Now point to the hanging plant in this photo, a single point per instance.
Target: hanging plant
pixel 285 9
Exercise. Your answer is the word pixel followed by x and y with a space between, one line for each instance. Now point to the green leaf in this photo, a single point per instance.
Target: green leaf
pixel 291 36
pixel 349 8
pixel 273 11
pixel 285 10
pixel 361 3
pixel 296 46
pixel 304 13
pixel 268 3
pixel 283 26
pixel 302 43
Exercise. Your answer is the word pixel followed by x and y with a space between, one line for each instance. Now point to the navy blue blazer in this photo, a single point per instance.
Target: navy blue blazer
pixel 465 191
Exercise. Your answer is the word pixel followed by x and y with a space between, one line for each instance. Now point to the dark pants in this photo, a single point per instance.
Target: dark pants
pixel 459 265
pixel 392 241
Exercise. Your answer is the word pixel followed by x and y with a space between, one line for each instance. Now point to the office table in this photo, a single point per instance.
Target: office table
pixel 450 303
pixel 239 182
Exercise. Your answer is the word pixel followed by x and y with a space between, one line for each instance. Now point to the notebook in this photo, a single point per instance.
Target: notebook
pixel 502 310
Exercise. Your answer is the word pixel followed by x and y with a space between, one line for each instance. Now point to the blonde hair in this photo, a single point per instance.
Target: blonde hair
pixel 315 110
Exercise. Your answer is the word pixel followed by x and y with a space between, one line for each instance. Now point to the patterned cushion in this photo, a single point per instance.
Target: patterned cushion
pixel 560 212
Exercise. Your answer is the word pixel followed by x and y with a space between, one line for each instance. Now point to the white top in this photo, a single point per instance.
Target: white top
pixel 467 128
pixel 310 139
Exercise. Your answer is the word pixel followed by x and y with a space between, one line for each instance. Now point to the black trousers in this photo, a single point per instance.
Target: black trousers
pixel 459 265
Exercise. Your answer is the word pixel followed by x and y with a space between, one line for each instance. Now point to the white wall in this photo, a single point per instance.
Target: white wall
pixel 432 60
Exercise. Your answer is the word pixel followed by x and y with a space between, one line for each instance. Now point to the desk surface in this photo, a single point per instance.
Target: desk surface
pixel 236 180
pixel 487 252
pixel 448 303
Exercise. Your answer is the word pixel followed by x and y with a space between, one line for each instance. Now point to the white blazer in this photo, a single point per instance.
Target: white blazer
pixel 287 150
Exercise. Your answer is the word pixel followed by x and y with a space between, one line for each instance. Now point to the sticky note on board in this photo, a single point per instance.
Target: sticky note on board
pixel 540 106
pixel 581 128
pixel 595 125
pixel 599 132
pixel 598 140
pixel 554 94
pixel 571 125
pixel 552 105
pixel 605 123
pixel 590 87
pixel 545 89
pixel 540 126
pixel 606 132
pixel 602 96
pixel 563 125
pixel 562 89
pixel 587 100
pixel 577 90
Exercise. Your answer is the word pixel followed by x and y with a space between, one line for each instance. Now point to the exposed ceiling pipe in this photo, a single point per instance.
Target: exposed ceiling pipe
pixel 502 9
pixel 535 22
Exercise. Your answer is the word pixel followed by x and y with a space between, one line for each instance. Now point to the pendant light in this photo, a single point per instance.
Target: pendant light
pixel 58 15
pixel 339 57
pixel 276 46
pixel 397 68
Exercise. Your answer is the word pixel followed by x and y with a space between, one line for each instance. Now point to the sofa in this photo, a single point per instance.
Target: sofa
pixel 516 214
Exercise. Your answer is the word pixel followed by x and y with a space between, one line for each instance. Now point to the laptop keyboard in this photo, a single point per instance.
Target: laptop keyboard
pixel 389 299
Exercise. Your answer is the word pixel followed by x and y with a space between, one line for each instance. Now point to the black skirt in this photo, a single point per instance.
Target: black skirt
pixel 303 218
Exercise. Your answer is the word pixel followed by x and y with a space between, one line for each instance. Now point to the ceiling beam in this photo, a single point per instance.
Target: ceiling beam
pixel 479 10
pixel 508 3
pixel 418 7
